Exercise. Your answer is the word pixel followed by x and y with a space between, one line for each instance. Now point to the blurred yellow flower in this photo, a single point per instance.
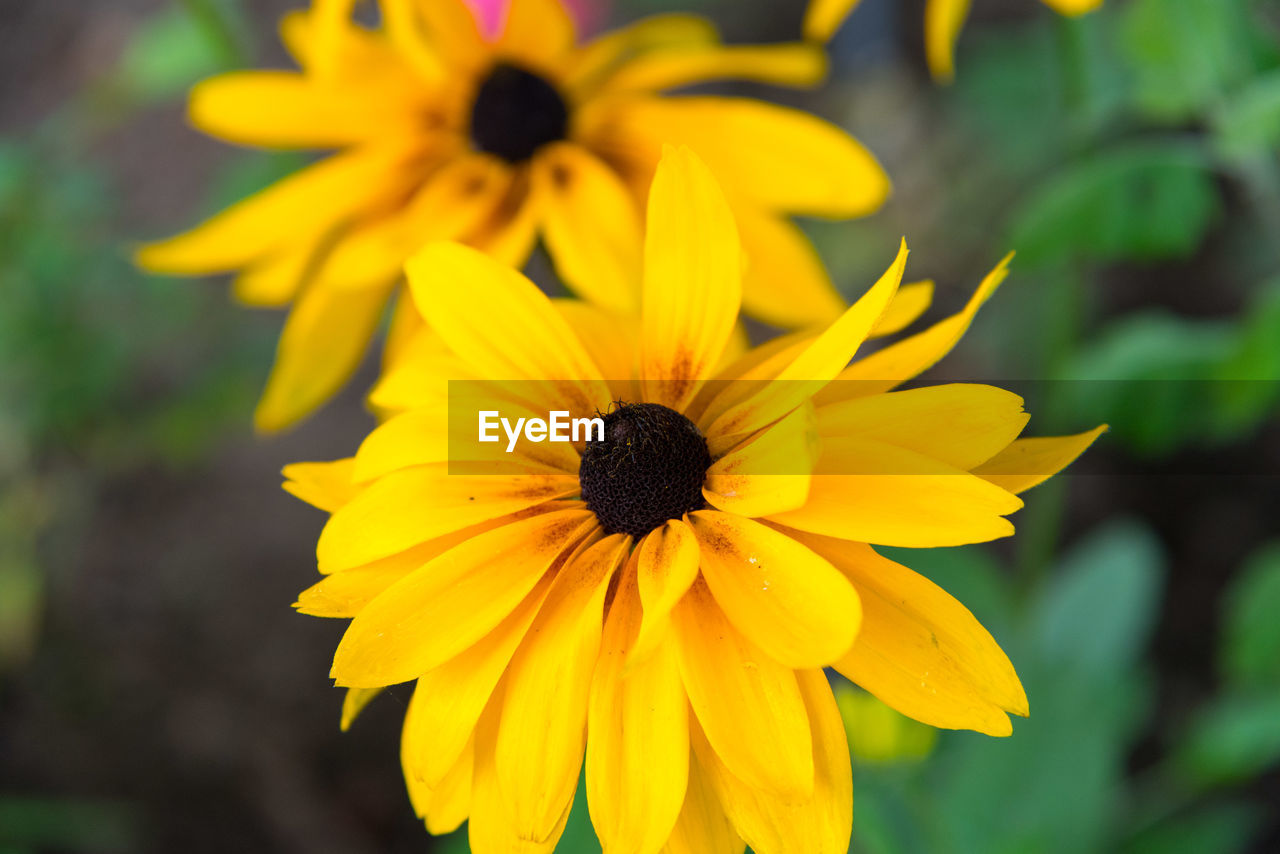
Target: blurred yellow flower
pixel 876 732
pixel 445 135
pixel 661 603
pixel 943 20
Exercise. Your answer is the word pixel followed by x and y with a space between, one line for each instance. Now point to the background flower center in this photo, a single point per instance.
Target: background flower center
pixel 515 113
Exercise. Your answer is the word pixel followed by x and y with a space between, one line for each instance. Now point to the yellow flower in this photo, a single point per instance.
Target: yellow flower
pixel 444 135
pixel 651 602
pixel 942 22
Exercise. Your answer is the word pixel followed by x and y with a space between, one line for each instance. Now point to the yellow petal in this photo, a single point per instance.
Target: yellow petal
pixel 510 233
pixel 748 704
pixel 283 110
pixel 324 339
pixel 421 375
pixel 537 31
pixel 781 596
pixel 324 485
pixel 692 279
pixel 920 651
pixel 416 505
pixel 785 283
pixel 274 281
pixel 895 497
pixel 960 424
pixel 589 65
pixel 908 304
pixel 1072 7
pixel 327 44
pixel 453 202
pixel 819 824
pixel 438 611
pixel 538 755
pixel 905 359
pixel 403 28
pixel 768 473
pixel 449 700
pixel 449 799
pixel 313 199
pixel 781 64
pixel 591 226
pixel 354 702
pixel 779 158
pixel 637 735
pixel 820 361
pixel 703 827
pixel 611 340
pixel 490 830
pixel 942 22
pixel 667 563
pixel 824 17
pixel 459 291
pixel 1028 462
pixel 346 593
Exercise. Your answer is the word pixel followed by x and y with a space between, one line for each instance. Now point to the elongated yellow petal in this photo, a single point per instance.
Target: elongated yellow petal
pixel 1028 462
pixel 284 109
pixel 785 599
pixel 327 486
pixel 458 290
pixel 346 593
pixel 782 64
pixel 748 704
pixel 420 375
pixel 692 279
pixel 785 282
pixel 490 830
pixel 1072 7
pixel 537 31
pixel 354 702
pixel 908 304
pixel 445 806
pixel 538 755
pixel 943 20
pixel 589 65
pixel 667 563
pixel 449 700
pixel 814 366
pixel 905 359
pixel 770 472
pixel 273 281
pixel 819 824
pixel 312 199
pixel 438 611
pixel 960 424
pixel 637 735
pixel 703 827
pixel 333 48
pixel 781 159
pixel 611 340
pixel 454 201
pixel 823 17
pixel 591 226
pixel 920 651
pixel 325 337
pixel 895 497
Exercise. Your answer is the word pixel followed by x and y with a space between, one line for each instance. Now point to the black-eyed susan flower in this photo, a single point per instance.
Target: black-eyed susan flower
pixel 943 20
pixel 646 601
pixel 443 134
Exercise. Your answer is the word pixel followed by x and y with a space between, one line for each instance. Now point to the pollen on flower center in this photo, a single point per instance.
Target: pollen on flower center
pixel 648 469
pixel 516 112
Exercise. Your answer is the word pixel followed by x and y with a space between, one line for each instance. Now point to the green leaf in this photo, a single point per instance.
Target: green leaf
pixel 1222 828
pixel 1097 612
pixel 168 53
pixel 1185 54
pixel 1251 633
pixel 1235 738
pixel 1250 121
pixel 1144 201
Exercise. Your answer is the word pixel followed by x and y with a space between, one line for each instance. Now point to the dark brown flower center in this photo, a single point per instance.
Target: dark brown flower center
pixel 648 469
pixel 516 112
